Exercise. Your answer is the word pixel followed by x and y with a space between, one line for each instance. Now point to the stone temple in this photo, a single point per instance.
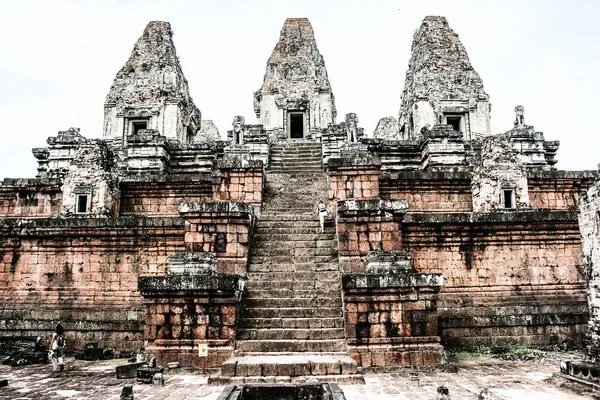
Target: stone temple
pixel 166 235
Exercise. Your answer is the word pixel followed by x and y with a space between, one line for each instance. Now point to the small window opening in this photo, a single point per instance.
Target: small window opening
pixel 82 204
pixel 509 198
pixel 297 125
pixel 454 121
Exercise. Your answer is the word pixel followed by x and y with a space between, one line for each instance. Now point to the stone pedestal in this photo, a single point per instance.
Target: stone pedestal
pixel 391 313
pixel 184 311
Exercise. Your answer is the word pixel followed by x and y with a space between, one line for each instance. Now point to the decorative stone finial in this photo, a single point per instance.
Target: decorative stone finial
pixel 238 130
pixel 519 115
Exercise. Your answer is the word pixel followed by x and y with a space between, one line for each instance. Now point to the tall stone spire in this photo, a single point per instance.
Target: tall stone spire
pixel 151 91
pixel 295 81
pixel 441 85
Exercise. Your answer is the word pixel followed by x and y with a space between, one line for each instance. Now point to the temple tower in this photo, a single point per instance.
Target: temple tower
pixel 296 96
pixel 151 92
pixel 441 86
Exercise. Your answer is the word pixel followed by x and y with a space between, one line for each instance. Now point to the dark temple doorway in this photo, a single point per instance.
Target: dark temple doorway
pixel 296 126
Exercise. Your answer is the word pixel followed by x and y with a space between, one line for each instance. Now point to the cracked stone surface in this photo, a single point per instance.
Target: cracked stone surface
pixel 296 78
pixel 505 380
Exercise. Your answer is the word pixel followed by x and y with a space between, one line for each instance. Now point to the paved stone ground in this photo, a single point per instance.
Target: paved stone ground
pixel 530 380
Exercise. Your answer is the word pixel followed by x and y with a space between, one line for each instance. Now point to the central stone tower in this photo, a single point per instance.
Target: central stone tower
pixel 295 98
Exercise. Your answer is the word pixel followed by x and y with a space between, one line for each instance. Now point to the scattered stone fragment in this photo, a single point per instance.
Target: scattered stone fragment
pixel 173 365
pixel 443 393
pixel 485 394
pixel 158 379
pixel 127 393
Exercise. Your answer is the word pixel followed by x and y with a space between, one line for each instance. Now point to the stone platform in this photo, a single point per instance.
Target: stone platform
pixel 291 367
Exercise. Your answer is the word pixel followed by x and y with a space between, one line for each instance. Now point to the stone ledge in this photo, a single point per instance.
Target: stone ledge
pixel 533 215
pixel 216 207
pixel 23 182
pixel 355 161
pixel 556 174
pixel 426 175
pixel 395 206
pixel 150 286
pixel 409 279
pixel 91 222
pixel 196 177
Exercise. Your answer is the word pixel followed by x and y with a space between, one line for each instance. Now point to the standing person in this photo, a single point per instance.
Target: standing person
pixel 56 348
pixel 322 210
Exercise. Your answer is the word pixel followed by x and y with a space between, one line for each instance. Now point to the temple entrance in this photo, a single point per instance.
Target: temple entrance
pixel 296 125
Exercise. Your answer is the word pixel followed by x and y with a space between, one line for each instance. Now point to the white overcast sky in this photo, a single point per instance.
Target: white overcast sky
pixel 59 59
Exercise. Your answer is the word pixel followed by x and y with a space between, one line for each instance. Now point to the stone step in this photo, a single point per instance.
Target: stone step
pixel 292 312
pixel 288 293
pixel 261 259
pixel 290 333
pixel 303 230
pixel 293 276
pixel 303 238
pixel 302 252
pixel 293 302
pixel 310 218
pixel 278 346
pixel 301 323
pixel 293 285
pixel 275 221
pixel 355 379
pixel 262 242
pixel 292 267
pixel 289 365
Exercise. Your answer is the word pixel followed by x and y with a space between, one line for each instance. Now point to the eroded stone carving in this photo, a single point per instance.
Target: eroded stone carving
pixel 351 127
pixel 295 80
pixel 151 90
pixel 520 115
pixel 441 83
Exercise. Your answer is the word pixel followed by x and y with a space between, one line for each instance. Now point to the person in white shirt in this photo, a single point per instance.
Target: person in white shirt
pixel 323 213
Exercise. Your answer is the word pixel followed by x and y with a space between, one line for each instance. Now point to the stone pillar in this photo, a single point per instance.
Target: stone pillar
pixel 391 313
pixel 238 180
pixel 355 176
pixel 368 225
pixel 221 228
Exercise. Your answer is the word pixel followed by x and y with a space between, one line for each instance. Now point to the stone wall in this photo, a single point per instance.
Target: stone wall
pixel 429 191
pixel 558 190
pixel 509 277
pixel 82 272
pixel 162 197
pixel 30 198
pixel 239 181
pixel 353 179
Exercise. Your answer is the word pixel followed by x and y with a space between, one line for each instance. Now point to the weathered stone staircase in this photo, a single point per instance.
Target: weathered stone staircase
pixel 292 324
